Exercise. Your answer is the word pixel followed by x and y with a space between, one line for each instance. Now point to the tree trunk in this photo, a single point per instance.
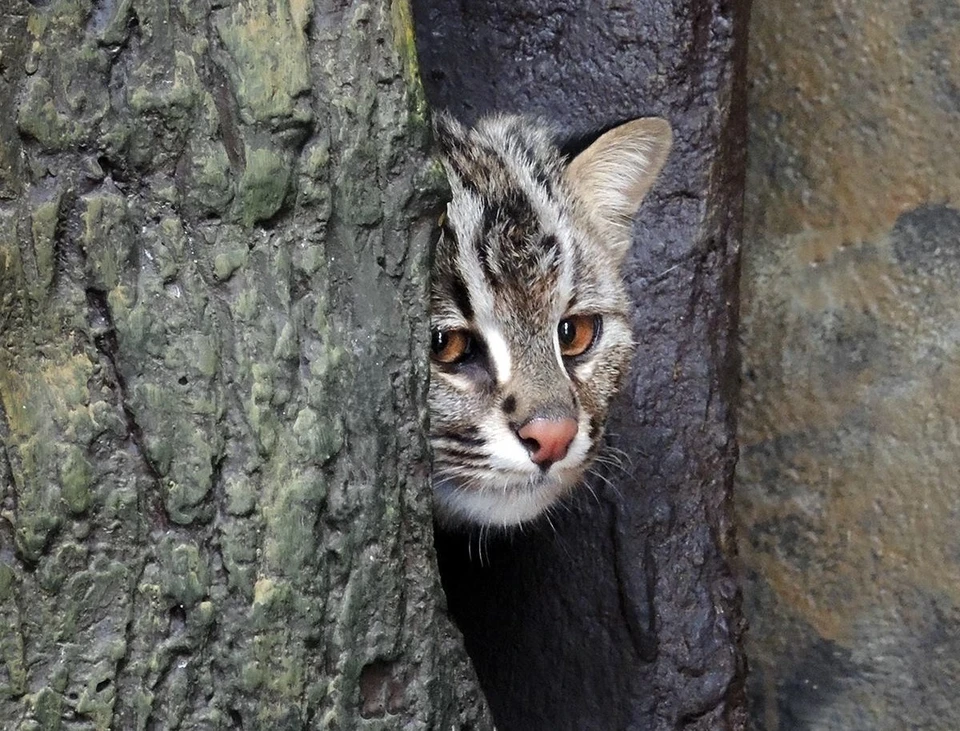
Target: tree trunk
pixel 214 226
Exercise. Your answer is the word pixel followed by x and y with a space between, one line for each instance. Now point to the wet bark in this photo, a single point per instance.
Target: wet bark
pixel 214 228
pixel 622 611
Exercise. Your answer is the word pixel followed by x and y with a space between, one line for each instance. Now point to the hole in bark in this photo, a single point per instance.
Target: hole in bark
pixel 178 618
pixel 381 692
pixel 134 23
pixel 183 380
pixel 103 685
pixel 235 718
pixel 112 169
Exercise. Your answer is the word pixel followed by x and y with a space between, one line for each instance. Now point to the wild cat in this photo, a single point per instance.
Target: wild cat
pixel 530 329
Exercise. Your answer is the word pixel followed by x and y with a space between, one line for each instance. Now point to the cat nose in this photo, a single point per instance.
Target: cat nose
pixel 547 440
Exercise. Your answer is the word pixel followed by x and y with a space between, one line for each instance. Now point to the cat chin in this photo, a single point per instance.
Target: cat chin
pixel 455 506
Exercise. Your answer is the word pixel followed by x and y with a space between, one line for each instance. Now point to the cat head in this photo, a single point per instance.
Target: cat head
pixel 530 324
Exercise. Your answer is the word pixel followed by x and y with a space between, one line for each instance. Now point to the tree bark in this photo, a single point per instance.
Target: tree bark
pixel 214 228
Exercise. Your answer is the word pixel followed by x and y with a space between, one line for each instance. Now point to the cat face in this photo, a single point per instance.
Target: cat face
pixel 529 316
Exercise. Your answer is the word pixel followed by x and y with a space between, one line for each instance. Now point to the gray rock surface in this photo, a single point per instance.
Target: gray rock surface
pixel 848 490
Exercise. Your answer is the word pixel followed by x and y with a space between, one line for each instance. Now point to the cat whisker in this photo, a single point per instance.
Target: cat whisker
pixel 609 460
pixel 658 277
pixel 546 516
pixel 612 437
pixel 609 483
pixel 480 543
pixel 612 463
pixel 622 455
pixel 593 493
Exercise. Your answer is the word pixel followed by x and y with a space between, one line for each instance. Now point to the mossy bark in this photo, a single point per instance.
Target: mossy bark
pixel 214 225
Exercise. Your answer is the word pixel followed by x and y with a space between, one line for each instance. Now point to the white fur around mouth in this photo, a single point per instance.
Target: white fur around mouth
pixel 503 501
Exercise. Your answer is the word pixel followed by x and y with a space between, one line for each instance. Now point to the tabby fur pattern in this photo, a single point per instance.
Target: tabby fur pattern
pixel 526 271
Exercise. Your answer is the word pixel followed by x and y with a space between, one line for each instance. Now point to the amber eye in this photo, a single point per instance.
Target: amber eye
pixel 450 346
pixel 577 333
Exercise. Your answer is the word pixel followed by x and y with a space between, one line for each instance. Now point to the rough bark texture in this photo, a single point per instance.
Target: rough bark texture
pixel 622 613
pixel 213 469
pixel 849 485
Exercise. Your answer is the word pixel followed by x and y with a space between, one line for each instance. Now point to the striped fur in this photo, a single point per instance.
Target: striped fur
pixel 527 241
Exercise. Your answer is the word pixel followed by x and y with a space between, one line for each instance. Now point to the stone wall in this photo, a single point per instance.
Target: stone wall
pixel 848 482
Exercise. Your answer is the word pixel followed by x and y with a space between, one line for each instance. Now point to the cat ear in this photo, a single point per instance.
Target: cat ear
pixel 612 176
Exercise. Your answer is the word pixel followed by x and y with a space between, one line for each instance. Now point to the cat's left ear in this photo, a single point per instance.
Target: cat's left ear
pixel 612 176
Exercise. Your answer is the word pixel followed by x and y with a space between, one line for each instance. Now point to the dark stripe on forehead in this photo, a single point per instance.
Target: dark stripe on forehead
pixel 508 224
pixel 510 210
pixel 576 255
pixel 477 167
pixel 461 297
pixel 491 218
pixel 543 172
pixel 483 256
pixel 448 281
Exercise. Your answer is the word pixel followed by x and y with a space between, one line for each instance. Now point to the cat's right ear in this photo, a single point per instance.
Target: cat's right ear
pixel 612 175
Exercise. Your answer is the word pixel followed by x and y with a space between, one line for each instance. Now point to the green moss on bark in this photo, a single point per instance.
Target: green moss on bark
pixel 208 471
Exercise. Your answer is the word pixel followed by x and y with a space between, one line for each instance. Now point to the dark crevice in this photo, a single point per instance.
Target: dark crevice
pixel 637 598
pixel 228 109
pixel 178 619
pixel 116 171
pixel 105 340
pixel 171 661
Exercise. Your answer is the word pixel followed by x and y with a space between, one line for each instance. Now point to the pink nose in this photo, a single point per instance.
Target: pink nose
pixel 547 439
